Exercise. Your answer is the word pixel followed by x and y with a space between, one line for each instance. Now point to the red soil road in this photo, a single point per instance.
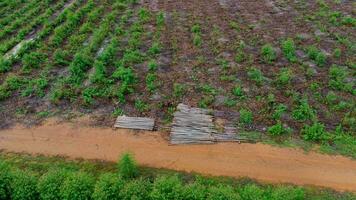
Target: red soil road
pixel 258 161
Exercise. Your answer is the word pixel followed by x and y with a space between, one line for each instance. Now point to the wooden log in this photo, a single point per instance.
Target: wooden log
pixel 138 123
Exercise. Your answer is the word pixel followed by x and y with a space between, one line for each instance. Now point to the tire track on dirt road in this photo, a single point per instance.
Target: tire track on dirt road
pixel 258 161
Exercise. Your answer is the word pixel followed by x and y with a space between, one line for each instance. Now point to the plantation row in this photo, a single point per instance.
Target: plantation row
pixel 120 55
pixel 66 180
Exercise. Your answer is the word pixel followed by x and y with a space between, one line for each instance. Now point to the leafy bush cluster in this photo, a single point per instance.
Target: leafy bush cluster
pixel 68 184
pixel 268 53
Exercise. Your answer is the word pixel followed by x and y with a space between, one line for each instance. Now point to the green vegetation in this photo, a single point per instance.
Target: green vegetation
pixel 268 53
pixel 57 178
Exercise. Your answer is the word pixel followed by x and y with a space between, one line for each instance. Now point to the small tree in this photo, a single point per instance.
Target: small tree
pixel 24 186
pixel 108 187
pixel 79 186
pixel 127 166
pixel 49 184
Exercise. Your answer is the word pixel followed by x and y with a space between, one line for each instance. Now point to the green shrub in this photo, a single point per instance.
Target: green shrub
pixel 195 191
pixel 279 110
pixel 33 60
pixel 337 79
pixel 152 66
pixel 160 19
pixel 246 117
pixel 151 79
pixel 331 97
pixel 268 53
pixel 317 56
pixel 137 190
pixel 154 49
pixel 179 90
pixel 237 91
pixel 278 129
pixel 167 187
pixel 49 185
pixel 337 53
pixel 303 111
pixel 315 132
pixel 24 186
pixel 5 181
pixel 141 106
pixel 108 187
pixel 5 65
pixel 288 193
pixel 127 166
pixel 60 57
pixel 256 75
pixel 251 192
pixel 222 192
pixel 289 50
pixel 284 76
pixel 79 186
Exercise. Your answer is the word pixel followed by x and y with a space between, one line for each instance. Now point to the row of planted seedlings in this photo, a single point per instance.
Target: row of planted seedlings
pixel 7 18
pixel 50 25
pixel 28 57
pixel 114 74
pixel 69 88
pixel 29 28
pixel 99 83
pixel 8 7
pixel 64 43
pixel 37 7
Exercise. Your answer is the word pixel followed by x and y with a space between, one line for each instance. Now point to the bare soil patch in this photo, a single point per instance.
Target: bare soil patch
pixel 258 161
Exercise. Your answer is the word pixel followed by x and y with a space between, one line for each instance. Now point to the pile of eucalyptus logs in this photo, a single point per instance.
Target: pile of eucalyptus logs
pixel 138 123
pixel 192 125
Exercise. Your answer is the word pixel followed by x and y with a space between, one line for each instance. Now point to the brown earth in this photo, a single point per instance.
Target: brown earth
pixel 258 161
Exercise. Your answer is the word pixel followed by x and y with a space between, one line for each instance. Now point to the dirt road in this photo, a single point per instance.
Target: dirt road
pixel 257 161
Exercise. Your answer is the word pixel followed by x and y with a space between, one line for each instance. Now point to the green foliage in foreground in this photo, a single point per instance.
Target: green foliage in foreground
pixel 57 178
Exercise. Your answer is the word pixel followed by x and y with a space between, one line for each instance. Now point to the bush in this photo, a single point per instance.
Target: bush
pixel 24 186
pixel 303 111
pixel 289 50
pixel 108 187
pixel 127 166
pixel 79 186
pixel 195 191
pixel 137 190
pixel 284 76
pixel 288 193
pixel 279 110
pixel 167 187
pixel 49 185
pixel 5 65
pixel 268 53
pixel 33 61
pixel 237 91
pixel 222 192
pixel 316 55
pixel 315 132
pixel 256 75
pixel 5 180
pixel 251 192
pixel 278 129
pixel 246 117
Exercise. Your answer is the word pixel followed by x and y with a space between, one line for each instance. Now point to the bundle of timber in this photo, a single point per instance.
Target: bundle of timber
pixel 192 125
pixel 139 123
